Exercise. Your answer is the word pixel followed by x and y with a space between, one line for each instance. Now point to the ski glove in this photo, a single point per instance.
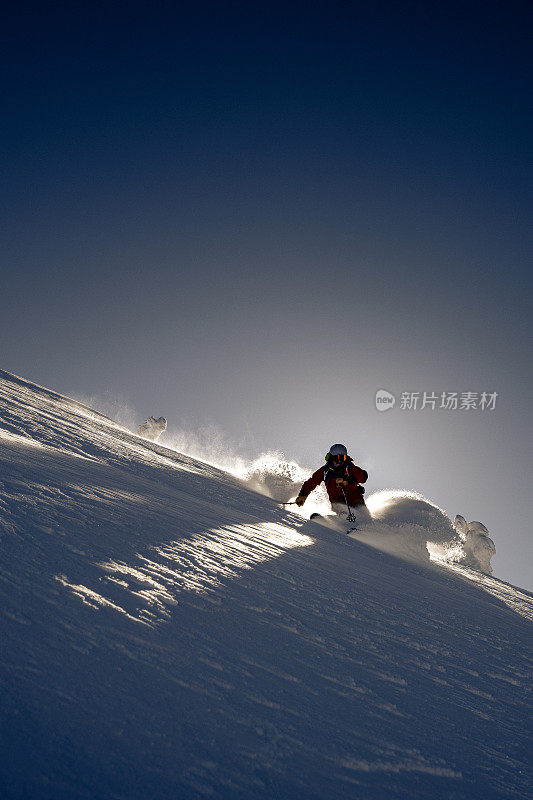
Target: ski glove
pixel 345 483
pixel 300 500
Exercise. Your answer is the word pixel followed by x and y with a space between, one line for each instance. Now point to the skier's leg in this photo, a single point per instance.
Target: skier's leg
pixel 340 509
pixel 362 514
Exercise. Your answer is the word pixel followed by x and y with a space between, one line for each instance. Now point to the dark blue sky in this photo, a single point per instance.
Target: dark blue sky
pixel 258 216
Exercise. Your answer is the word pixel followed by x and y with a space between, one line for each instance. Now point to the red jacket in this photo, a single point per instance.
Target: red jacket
pixel 347 471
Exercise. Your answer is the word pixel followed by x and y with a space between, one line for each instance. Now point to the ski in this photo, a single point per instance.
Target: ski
pixel 316 517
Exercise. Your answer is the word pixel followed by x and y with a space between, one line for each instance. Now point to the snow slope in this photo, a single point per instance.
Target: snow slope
pixel 168 633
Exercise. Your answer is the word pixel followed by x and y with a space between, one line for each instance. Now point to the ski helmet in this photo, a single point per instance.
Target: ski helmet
pixel 337 453
pixel 338 450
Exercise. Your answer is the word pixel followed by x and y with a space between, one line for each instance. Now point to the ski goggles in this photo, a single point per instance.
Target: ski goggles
pixel 337 458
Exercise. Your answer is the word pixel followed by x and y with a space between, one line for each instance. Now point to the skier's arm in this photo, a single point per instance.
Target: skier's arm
pixel 357 475
pixel 316 478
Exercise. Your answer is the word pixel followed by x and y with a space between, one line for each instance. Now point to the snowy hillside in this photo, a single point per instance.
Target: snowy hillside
pixel 168 633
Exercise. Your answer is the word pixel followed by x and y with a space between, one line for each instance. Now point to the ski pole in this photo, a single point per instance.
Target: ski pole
pixel 351 516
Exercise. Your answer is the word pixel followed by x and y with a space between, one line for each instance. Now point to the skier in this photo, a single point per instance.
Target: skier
pixel 342 478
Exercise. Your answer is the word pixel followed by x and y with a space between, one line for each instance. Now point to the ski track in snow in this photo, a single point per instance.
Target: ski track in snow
pixel 168 633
